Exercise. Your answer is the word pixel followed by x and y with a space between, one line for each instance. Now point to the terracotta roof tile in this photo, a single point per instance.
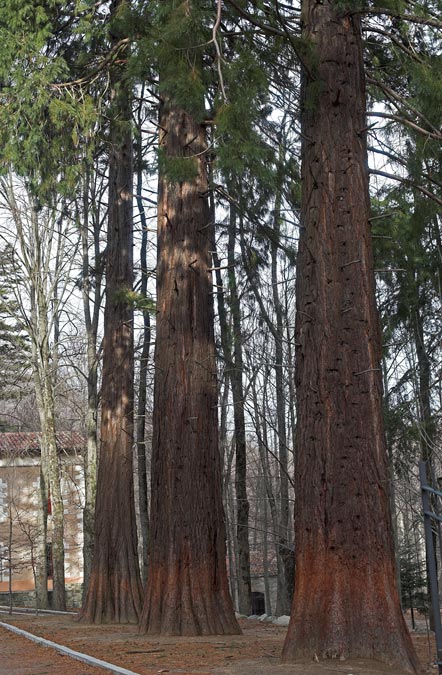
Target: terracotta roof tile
pixel 29 442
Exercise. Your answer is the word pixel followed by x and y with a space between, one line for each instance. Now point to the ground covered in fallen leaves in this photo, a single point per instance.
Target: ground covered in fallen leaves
pixel 256 652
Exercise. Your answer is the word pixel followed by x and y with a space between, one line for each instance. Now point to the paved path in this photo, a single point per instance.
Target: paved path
pixel 19 656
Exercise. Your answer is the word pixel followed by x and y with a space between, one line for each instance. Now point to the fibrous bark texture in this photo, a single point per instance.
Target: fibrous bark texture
pixel 115 590
pixel 187 591
pixel 346 601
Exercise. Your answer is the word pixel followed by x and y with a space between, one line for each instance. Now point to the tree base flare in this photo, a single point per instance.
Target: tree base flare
pixel 343 609
pixel 183 601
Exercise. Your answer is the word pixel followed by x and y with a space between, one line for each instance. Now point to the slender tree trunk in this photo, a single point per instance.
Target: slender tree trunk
pixel 187 590
pixel 9 559
pixel 57 507
pixel 50 488
pixel 231 344
pixel 265 556
pixel 427 426
pixel 91 324
pixel 345 583
pixel 143 502
pixel 236 369
pixel 232 544
pixel 285 551
pixel 41 570
pixel 261 431
pixel 50 470
pixel 426 421
pixel 115 591
pixel 90 464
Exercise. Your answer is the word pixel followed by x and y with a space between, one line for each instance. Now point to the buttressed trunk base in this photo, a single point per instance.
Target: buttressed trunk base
pixel 346 601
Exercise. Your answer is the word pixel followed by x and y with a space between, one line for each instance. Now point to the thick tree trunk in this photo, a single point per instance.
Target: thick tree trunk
pixel 345 583
pixel 115 591
pixel 187 591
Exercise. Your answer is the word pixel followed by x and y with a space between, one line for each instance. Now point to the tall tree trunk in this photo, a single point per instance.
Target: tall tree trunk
pixel 285 589
pixel 426 421
pixel 390 457
pixel 57 508
pixel 262 436
pixel 236 369
pixel 265 557
pixel 345 582
pixel 187 591
pixel 41 570
pixel 115 591
pixel 40 566
pixel 231 344
pixel 284 552
pixel 90 287
pixel 90 463
pixel 50 487
pixel 143 503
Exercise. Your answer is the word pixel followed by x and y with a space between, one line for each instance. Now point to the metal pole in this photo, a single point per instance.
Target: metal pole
pixel 431 564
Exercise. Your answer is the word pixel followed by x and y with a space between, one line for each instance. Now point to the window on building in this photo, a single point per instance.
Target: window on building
pixel 3 504
pixel 4 563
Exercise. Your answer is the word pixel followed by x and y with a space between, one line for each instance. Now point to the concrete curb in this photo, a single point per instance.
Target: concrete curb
pixel 90 660
pixel 32 610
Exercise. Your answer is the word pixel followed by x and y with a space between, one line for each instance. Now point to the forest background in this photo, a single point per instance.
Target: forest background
pixel 103 102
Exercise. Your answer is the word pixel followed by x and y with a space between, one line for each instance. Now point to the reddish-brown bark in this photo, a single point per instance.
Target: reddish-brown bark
pixel 115 591
pixel 346 601
pixel 187 591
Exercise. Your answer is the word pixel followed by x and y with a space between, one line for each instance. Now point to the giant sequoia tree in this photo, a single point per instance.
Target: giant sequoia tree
pixel 187 591
pixel 115 591
pixel 345 585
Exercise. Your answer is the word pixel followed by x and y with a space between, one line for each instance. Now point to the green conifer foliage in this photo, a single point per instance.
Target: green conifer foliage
pixel 44 122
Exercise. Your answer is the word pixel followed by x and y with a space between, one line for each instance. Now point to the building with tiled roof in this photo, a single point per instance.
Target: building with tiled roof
pixel 28 442
pixel 20 506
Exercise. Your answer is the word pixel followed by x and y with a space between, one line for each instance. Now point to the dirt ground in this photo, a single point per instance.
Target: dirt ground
pixel 256 652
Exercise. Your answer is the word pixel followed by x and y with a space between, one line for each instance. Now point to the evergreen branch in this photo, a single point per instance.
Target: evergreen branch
pixel 107 60
pixel 218 49
pixel 396 98
pixel 407 181
pixel 295 48
pixel 254 285
pixel 409 52
pixel 266 28
pixel 403 120
pixel 402 162
pixel 412 18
